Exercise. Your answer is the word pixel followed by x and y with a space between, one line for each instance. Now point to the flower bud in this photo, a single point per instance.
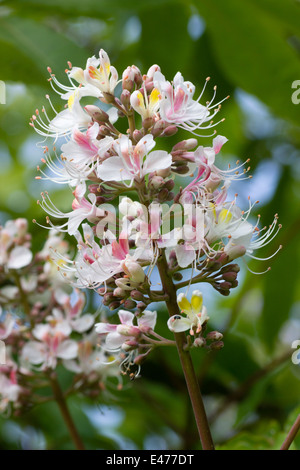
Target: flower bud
pixel 213 265
pixel 158 128
pixel 96 113
pixel 162 195
pixel 108 98
pixel 171 196
pixel 230 267
pixel 214 336
pixel 141 306
pixel 114 305
pixel 125 98
pixel 217 345
pixel 235 251
pixel 199 342
pixel 104 131
pixel 129 304
pixel 94 188
pixel 151 71
pixel 137 135
pixel 225 285
pixel 156 182
pixel 128 79
pixel 169 131
pixel 181 169
pixel 132 344
pixel 108 298
pixel 230 276
pixel 148 122
pixel 188 144
pixel 170 185
pixel 164 173
pixel 135 271
pixel 177 276
pixel 119 292
pixel 136 295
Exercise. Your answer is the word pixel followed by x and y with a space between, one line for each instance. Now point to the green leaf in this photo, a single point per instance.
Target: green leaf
pixel 253 52
pixel 34 46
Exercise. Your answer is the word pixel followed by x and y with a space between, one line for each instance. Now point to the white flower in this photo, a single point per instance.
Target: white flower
pixel 52 344
pixel 196 314
pixel 101 74
pixel 144 105
pixel 9 390
pixel 117 335
pixel 178 107
pixel 82 210
pixel 133 163
pixel 19 257
pixel 246 238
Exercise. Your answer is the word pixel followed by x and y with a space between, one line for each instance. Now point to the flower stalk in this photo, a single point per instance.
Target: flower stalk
pixel 186 360
pixel 65 413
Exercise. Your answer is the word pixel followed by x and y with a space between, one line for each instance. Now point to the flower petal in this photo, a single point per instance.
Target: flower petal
pixel 113 169
pixel 157 160
pixel 147 320
pixel 83 323
pixel 19 257
pixel 67 349
pixel 177 323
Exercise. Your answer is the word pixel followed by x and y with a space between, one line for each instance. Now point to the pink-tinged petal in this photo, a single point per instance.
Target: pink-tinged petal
pixel 19 257
pixel 177 323
pixel 102 328
pixel 157 160
pixel 145 145
pixel 80 191
pixel 147 320
pixel 126 318
pixel 67 349
pixel 40 331
pixel 210 156
pixel 125 149
pixel 118 250
pixel 123 242
pixel 83 323
pixel 185 255
pixel 113 169
pixel 218 143
pixel 179 99
pixel 93 131
pixel 34 352
pixel 114 341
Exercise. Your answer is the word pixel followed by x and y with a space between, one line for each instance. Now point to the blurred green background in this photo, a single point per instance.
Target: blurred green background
pixel 250 49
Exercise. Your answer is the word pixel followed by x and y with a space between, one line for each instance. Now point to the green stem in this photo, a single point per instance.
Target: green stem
pixel 131 123
pixel 60 399
pixel 186 360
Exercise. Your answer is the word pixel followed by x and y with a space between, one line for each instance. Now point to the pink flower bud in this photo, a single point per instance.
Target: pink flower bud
pixel 96 113
pixel 214 335
pixel 188 144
